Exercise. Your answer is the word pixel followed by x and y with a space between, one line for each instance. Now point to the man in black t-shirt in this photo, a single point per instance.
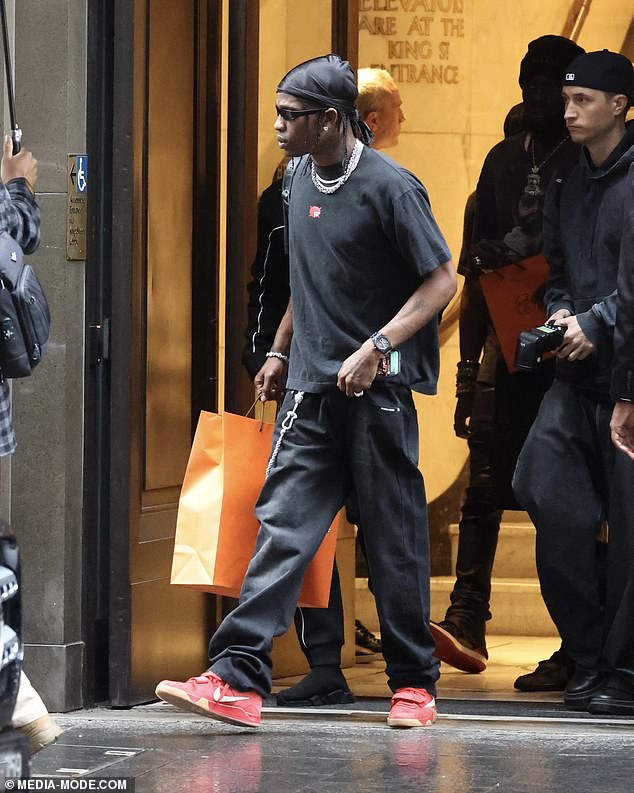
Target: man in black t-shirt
pixel 320 631
pixel 369 273
pixel 380 107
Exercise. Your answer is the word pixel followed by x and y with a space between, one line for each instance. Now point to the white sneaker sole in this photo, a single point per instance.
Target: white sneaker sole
pixel 411 722
pixel 179 699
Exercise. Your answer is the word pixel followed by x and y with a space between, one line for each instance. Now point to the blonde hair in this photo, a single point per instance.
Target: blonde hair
pixel 374 87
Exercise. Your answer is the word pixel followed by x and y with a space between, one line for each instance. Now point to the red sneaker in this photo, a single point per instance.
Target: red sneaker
pixel 209 695
pixel 412 707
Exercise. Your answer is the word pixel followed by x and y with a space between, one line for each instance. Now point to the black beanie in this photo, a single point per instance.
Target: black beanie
pixel 603 71
pixel 328 81
pixel 548 56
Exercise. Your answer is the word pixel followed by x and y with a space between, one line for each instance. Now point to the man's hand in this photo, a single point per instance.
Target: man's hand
pixel 622 427
pixel 464 408
pixel 270 381
pixel 558 316
pixel 576 345
pixel 22 165
pixel 492 254
pixel 358 371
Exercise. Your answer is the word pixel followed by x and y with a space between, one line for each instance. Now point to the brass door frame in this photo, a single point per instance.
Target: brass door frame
pixel 133 628
pixel 95 545
pixel 242 195
pixel 147 631
pixel 345 30
pixel 121 346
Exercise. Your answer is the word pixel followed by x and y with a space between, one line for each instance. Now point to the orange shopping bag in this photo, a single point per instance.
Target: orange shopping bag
pixel 216 528
pixel 515 298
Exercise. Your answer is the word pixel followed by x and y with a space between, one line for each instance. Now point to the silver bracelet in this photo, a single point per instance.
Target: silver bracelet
pixel 279 355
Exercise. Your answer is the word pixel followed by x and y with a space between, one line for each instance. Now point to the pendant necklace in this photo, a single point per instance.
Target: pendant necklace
pixel 331 185
pixel 533 179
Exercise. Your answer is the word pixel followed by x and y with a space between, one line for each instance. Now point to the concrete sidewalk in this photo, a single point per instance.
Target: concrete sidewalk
pixel 339 752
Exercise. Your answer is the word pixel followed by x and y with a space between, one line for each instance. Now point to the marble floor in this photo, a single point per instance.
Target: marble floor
pixel 509 657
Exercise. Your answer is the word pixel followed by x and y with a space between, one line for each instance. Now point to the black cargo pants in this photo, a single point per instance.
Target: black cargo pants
pixel 570 478
pixel 336 445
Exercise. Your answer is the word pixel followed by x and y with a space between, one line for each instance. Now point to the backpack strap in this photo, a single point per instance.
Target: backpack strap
pixel 11 260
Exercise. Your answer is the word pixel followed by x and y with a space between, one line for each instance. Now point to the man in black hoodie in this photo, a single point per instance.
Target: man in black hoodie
pixel 622 388
pixel 568 475
pixel 495 407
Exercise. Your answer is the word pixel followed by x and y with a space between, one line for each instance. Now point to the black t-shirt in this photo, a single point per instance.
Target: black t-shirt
pixel 356 256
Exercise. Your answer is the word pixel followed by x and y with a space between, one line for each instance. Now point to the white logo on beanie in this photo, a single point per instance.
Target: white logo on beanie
pixel 570 76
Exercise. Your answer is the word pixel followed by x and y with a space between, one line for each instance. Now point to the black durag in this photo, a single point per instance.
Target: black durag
pixel 327 81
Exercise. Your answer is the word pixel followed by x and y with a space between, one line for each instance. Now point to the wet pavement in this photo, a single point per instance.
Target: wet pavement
pixel 336 751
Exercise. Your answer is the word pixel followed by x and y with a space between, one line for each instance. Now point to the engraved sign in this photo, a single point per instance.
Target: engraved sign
pixel 420 38
pixel 77 211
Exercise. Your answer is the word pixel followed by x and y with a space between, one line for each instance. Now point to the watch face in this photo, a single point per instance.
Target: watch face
pixel 382 343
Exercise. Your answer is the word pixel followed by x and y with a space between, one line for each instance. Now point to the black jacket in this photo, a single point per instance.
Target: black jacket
pixel 500 191
pixel 622 386
pixel 584 220
pixel 269 287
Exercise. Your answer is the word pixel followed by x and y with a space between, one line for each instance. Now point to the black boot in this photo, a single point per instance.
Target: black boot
pixel 366 646
pixel 551 674
pixel 583 687
pixel 460 646
pixel 617 698
pixel 460 636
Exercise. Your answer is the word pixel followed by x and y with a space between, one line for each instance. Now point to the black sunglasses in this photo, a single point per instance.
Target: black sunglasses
pixel 290 115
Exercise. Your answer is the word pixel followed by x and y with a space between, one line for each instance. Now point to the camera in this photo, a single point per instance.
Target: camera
pixel 532 344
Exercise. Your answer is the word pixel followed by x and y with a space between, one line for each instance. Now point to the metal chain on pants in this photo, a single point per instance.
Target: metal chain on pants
pixel 290 417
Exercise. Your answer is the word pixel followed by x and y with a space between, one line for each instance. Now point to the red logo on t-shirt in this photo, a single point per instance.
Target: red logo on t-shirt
pixel 314 212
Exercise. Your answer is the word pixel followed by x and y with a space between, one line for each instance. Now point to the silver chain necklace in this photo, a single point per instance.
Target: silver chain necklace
pixel 331 185
pixel 533 179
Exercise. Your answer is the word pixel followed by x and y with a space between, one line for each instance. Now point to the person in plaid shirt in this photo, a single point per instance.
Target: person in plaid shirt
pixel 20 217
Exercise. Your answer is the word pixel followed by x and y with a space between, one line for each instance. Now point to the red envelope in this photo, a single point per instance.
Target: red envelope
pixel 514 295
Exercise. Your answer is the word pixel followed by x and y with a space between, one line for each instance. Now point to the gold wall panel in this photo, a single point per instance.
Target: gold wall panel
pixel 298 37
pixel 162 643
pixel 456 63
pixel 170 137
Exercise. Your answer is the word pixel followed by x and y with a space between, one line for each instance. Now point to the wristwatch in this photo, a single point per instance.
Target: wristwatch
pixel 381 343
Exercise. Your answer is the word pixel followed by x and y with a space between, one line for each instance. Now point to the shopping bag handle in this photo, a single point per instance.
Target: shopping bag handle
pixel 252 410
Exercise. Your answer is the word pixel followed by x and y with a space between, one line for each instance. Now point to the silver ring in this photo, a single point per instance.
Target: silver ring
pixel 358 393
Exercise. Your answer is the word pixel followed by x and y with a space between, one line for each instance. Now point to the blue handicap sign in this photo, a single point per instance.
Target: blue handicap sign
pixel 81 182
